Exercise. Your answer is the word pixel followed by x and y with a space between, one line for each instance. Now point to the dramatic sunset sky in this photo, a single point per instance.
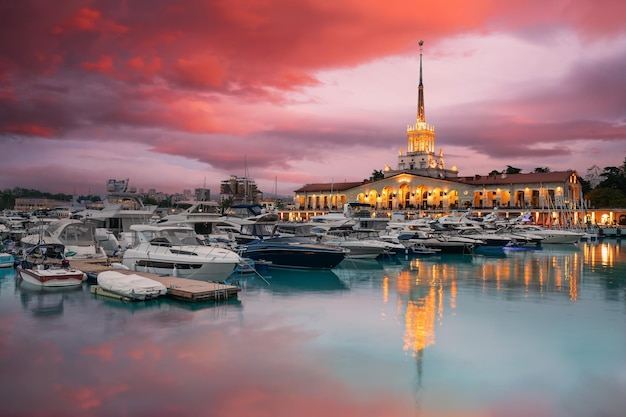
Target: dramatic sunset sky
pixel 178 94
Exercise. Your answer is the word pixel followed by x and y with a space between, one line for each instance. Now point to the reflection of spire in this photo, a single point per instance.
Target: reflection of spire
pixel 421 117
pixel 420 327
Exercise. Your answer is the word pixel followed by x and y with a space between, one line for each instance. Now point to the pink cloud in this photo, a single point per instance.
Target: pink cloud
pixel 292 84
pixel 104 65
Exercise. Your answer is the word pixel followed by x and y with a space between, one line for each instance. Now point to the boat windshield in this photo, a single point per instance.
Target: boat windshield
pixel 179 237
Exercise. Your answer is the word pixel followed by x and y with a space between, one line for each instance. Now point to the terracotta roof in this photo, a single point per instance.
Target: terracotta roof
pixel 337 186
pixel 532 177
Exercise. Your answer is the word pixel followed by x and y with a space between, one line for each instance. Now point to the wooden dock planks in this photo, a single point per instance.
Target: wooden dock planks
pixel 179 288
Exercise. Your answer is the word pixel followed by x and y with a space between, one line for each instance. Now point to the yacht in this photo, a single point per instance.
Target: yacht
pixel 556 236
pixel 294 253
pixel 205 219
pixel 445 243
pixel 123 207
pixel 361 243
pixel 78 238
pixel 178 251
pixel 253 220
pixel 364 217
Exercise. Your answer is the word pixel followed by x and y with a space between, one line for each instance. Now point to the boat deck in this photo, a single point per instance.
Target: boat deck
pixel 179 288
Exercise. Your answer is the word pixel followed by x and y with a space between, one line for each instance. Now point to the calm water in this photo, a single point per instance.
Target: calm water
pixel 532 333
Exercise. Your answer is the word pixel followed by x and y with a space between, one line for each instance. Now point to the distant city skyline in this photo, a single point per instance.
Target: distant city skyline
pixel 290 93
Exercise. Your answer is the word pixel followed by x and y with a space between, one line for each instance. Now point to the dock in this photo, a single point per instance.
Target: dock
pixel 179 288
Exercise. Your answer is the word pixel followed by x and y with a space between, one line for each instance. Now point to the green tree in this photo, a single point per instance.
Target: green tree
pixel 541 170
pixel 512 170
pixel 225 204
pixel 149 201
pixel 585 185
pixel 165 203
pixel 377 175
pixel 614 178
pixel 606 198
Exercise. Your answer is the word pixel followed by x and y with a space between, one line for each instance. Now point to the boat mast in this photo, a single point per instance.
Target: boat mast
pixel 245 179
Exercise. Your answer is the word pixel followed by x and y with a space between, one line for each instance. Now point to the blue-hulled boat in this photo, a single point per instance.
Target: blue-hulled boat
pixel 294 252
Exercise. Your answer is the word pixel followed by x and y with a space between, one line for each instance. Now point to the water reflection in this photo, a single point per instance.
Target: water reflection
pixel 285 281
pixel 428 288
pixel 520 334
pixel 44 301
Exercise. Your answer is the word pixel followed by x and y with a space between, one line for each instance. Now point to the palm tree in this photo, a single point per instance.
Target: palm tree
pixel 377 175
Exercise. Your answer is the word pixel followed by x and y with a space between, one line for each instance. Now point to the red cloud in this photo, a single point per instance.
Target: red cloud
pixel 205 72
pixel 104 65
pixel 30 130
pixel 147 66
pixel 87 19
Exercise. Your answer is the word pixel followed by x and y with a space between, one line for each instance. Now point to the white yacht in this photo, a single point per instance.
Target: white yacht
pixel 123 207
pixel 361 245
pixel 445 243
pixel 77 237
pixel 253 220
pixel 556 236
pixel 205 219
pixel 178 251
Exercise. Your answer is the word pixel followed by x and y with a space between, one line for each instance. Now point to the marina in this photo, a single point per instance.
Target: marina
pixel 539 331
pixel 419 290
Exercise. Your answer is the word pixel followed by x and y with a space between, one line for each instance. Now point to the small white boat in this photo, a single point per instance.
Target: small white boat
pixel 46 266
pixel 133 286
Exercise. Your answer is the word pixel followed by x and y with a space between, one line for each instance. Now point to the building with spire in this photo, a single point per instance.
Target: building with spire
pixel 420 157
pixel 421 182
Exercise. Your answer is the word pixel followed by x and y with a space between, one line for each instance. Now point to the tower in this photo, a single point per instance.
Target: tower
pixel 420 157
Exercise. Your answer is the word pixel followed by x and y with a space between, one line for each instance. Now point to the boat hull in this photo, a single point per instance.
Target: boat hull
pixel 52 277
pixel 199 269
pixel 359 251
pixel 295 256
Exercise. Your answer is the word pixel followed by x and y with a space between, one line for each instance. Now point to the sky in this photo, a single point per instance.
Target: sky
pixel 182 95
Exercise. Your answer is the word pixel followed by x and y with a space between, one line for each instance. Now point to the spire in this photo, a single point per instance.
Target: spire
pixel 421 117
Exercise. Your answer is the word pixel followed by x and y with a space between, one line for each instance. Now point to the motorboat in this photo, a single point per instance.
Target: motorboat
pixel 78 237
pixel 361 244
pixel 7 260
pixel 550 236
pixel 331 220
pixel 445 243
pixel 294 252
pixel 178 251
pixel 45 265
pixel 129 285
pixel 300 229
pixel 253 220
pixel 205 218
pixel 197 214
pixel 489 238
pixel 122 207
pixel 419 249
pixel 364 217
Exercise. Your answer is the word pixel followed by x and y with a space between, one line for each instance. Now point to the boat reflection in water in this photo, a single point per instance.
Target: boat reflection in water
pixel 44 301
pixel 533 333
pixel 279 280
